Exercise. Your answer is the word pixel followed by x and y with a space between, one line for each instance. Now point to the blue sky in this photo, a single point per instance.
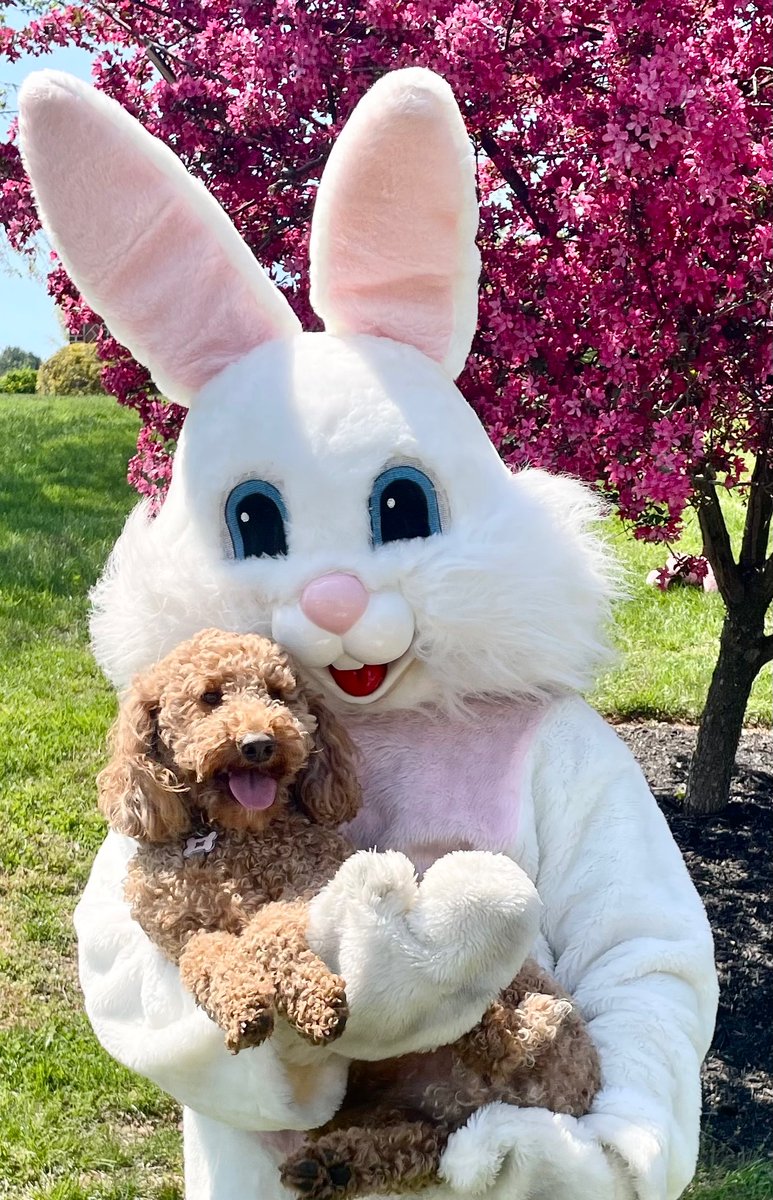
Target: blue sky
pixel 27 317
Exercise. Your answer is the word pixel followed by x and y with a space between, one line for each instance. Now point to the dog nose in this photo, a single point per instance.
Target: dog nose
pixel 334 602
pixel 257 747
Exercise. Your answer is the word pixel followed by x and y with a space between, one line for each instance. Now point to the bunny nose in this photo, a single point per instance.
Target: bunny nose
pixel 334 602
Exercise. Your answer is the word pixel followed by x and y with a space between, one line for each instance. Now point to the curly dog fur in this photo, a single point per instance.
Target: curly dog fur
pixel 531 1049
pixel 234 918
pixel 232 777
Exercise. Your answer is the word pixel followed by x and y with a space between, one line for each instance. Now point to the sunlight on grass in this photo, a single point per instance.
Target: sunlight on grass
pixel 667 642
pixel 753 1181
pixel 76 1125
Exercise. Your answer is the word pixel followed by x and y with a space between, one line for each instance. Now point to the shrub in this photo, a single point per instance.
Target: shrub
pixel 13 358
pixel 20 381
pixel 74 370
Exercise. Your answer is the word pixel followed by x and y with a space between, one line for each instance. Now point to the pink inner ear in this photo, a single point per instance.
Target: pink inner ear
pixel 150 250
pixel 393 243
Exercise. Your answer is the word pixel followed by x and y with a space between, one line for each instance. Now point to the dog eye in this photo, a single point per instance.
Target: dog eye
pixel 212 699
pixel 256 517
pixel 403 506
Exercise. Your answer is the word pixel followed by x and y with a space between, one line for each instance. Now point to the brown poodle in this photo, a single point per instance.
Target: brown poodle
pixel 232 777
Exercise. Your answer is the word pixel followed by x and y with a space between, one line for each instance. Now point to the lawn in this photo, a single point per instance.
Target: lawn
pixel 667 642
pixel 76 1126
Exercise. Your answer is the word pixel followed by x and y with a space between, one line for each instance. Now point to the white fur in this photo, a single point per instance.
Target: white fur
pixel 473 917
pixel 530 1154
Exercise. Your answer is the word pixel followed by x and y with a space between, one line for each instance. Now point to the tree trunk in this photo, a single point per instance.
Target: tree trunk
pixel 740 658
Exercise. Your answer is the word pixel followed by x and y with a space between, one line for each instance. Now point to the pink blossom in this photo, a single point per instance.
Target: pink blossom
pixel 626 216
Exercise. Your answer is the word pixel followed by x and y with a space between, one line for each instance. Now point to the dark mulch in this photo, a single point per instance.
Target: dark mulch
pixel 729 857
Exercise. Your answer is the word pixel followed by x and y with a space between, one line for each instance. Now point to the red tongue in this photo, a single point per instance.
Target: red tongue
pixel 252 790
pixel 361 682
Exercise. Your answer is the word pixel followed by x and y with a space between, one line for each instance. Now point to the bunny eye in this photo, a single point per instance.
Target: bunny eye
pixel 403 505
pixel 255 514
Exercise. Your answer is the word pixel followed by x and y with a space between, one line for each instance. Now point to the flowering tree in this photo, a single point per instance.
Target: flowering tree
pixel 625 177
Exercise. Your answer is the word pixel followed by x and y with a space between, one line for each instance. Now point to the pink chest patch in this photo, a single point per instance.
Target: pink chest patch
pixel 433 783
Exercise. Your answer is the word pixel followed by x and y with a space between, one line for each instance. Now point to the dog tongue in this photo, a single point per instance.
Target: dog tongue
pixel 362 681
pixel 252 790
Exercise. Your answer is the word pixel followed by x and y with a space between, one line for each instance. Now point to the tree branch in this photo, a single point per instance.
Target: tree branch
pixel 511 176
pixel 766 649
pixel 716 541
pixel 759 511
pixel 767 581
pixel 509 29
pixel 167 16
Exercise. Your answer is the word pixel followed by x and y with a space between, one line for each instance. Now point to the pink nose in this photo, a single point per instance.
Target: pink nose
pixel 334 602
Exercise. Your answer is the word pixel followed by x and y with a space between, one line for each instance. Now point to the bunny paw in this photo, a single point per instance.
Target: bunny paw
pixel 477 914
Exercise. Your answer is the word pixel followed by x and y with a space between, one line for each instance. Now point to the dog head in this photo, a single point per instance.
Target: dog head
pixel 223 728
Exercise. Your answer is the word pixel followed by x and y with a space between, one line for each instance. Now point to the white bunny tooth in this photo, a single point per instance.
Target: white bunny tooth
pixel 384 631
pixel 315 647
pixel 345 663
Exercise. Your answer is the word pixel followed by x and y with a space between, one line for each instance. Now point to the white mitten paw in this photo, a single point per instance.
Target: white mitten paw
pixel 381 885
pixel 421 961
pixel 473 1159
pixel 477 915
pixel 508 1153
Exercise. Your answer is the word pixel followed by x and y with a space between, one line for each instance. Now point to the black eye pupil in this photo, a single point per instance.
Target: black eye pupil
pixel 261 526
pixel 403 511
pixel 212 698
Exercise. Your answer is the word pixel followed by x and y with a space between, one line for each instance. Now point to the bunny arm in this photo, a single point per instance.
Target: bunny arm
pixel 396 942
pixel 633 946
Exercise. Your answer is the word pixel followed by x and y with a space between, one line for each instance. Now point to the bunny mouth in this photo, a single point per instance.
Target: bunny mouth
pixel 362 685
pixel 361 681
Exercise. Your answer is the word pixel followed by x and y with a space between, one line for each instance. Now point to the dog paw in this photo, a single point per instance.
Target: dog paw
pixel 320 1016
pixel 248 1028
pixel 317 1174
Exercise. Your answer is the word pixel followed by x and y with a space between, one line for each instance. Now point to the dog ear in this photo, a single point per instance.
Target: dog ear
pixel 328 790
pixel 138 795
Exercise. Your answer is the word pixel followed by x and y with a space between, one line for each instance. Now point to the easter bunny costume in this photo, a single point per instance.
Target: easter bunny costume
pixel 335 490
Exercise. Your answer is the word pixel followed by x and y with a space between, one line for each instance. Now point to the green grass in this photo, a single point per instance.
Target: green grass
pixel 751 1181
pixel 667 642
pixel 75 1125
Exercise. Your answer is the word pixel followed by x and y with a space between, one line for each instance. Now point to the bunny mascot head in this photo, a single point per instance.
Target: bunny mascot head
pixel 335 490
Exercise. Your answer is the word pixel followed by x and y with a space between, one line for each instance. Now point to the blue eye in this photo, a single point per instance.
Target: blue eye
pixel 403 506
pixel 255 514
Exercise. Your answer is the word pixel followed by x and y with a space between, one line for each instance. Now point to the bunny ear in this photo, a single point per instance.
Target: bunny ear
pixel 393 236
pixel 147 245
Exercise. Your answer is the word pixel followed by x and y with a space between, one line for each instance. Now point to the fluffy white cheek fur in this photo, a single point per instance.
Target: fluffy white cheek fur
pixel 159 587
pixel 514 603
